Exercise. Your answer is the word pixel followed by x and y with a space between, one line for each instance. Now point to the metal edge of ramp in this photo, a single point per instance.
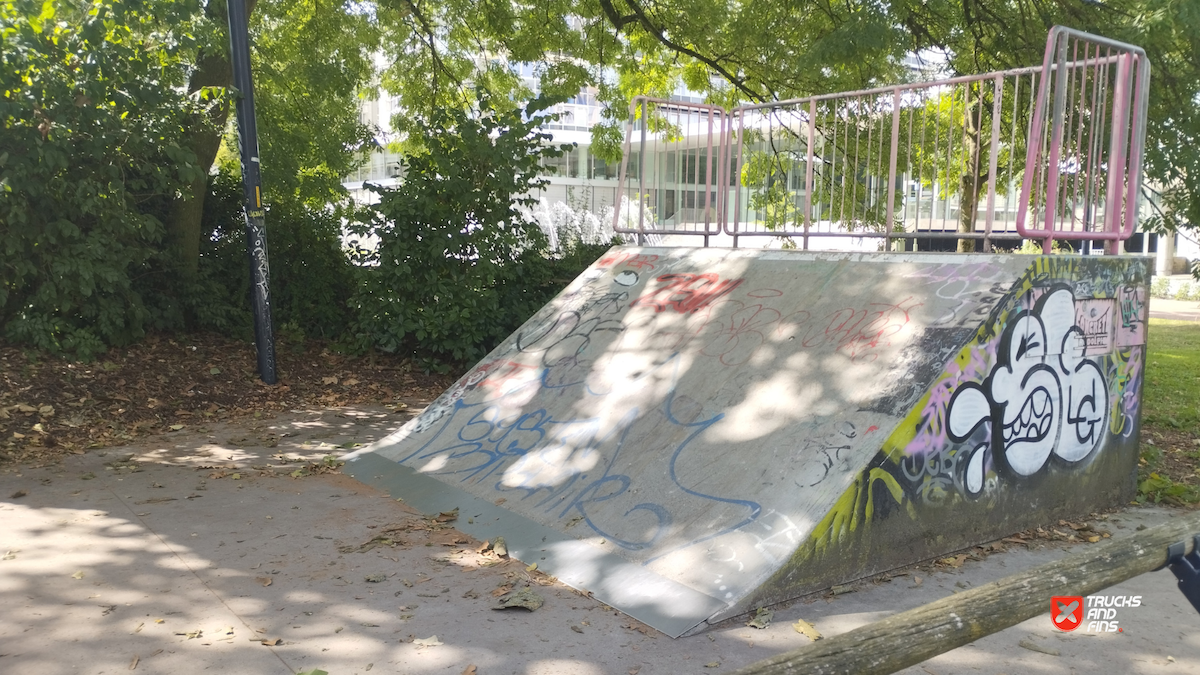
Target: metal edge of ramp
pixel 663 604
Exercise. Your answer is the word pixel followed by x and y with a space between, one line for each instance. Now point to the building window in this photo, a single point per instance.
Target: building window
pixel 600 169
pixel 566 165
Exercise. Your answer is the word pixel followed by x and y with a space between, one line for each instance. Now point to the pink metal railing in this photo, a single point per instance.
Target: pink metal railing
pixel 681 168
pixel 1083 177
pixel 979 158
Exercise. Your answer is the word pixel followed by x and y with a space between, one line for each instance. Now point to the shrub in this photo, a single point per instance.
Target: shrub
pixel 312 278
pixel 457 263
pixel 88 151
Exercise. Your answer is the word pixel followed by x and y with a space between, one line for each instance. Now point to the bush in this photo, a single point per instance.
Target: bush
pixel 312 279
pixel 458 265
pixel 78 207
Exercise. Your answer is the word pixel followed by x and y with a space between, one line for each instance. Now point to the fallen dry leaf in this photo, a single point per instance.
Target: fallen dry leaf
pixel 639 627
pixel 806 629
pixel 470 670
pixel 762 618
pixel 134 662
pixel 265 581
pixel 77 575
pixel 18 494
pixel 272 642
pixel 635 670
pixel 431 641
pixel 524 598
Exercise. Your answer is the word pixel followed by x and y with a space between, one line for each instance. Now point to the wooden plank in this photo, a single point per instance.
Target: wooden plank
pixel 911 637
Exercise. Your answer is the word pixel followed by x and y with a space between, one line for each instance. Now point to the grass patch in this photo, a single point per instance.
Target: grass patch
pixel 1170 441
pixel 1171 395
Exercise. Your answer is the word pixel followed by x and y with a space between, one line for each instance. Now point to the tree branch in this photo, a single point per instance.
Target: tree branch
pixel 659 34
pixel 432 42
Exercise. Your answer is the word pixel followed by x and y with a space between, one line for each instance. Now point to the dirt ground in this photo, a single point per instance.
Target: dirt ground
pixel 51 407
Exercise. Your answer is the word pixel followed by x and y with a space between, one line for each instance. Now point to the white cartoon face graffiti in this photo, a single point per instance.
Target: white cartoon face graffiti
pixel 1043 397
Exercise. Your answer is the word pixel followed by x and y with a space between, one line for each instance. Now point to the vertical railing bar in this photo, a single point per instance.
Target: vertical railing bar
pixel 964 161
pixel 933 180
pixel 710 116
pixel 993 161
pixel 1117 155
pixel 1033 158
pixel 808 168
pixel 1012 154
pixel 800 203
pixel 978 157
pixel 846 123
pixel 1091 184
pixel 642 179
pixel 1068 125
pixel 1102 144
pixel 845 162
pixel 722 142
pixel 622 176
pixel 1081 149
pixel 908 169
pixel 794 224
pixel 854 169
pixel 1056 126
pixel 1137 143
pixel 892 166
pixel 736 179
pixel 949 161
pixel 834 172
pixel 828 147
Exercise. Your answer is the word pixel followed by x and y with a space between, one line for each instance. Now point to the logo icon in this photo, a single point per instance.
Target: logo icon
pixel 1066 611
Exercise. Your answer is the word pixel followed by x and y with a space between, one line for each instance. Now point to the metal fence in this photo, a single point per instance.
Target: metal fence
pixel 1050 152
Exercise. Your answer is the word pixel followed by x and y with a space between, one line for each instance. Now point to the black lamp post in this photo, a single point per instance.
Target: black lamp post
pixel 256 224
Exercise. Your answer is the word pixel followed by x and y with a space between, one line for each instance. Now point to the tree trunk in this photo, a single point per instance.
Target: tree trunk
pixel 204 139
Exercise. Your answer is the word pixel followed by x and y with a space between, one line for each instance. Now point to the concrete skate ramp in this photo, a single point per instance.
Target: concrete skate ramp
pixel 687 433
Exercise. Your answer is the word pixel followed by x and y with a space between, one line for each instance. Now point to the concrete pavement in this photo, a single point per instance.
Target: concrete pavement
pixel 182 554
pixel 1175 310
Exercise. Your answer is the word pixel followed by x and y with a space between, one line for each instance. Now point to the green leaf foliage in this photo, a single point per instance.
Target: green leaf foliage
pixel 458 267
pixel 91 115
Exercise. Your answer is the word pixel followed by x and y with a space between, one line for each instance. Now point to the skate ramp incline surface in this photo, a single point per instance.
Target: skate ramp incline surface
pixel 686 432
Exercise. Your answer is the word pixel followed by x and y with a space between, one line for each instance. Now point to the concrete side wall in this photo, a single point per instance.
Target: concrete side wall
pixel 1034 420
